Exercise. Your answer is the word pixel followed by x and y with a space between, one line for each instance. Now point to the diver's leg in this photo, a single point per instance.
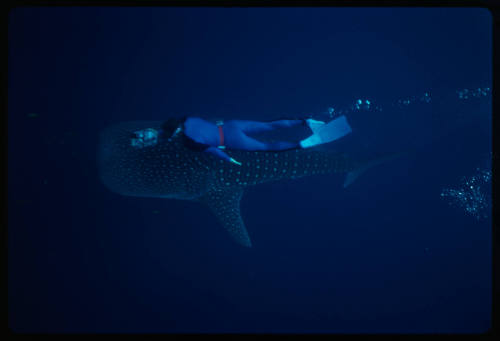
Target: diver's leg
pixel 256 126
pixel 282 145
pixel 245 142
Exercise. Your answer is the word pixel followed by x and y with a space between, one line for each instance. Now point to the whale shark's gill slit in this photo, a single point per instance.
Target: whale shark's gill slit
pixel 225 204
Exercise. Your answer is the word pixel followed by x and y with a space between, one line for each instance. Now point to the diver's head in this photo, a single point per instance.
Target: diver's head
pixel 172 126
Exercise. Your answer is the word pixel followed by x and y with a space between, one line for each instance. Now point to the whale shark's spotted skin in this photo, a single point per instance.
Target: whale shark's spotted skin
pixel 170 170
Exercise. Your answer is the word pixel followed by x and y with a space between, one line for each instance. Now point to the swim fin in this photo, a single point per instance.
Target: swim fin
pixel 325 133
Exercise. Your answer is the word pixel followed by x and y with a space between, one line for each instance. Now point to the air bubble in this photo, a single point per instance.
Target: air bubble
pixel 472 194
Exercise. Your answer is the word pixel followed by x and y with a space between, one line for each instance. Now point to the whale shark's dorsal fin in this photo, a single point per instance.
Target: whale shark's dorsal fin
pixel 225 204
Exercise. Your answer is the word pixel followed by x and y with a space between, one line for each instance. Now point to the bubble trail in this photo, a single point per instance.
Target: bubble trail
pixel 473 194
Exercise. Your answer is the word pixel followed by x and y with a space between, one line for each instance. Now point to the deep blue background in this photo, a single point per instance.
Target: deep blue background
pixel 385 255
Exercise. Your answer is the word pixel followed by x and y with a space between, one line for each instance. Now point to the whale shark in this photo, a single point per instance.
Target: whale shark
pixel 170 170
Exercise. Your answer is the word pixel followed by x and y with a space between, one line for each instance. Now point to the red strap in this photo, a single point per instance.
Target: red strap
pixel 221 135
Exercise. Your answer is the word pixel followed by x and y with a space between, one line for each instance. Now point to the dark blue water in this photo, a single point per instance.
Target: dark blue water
pixel 387 254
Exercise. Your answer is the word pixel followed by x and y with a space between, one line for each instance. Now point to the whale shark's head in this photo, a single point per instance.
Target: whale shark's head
pixel 165 169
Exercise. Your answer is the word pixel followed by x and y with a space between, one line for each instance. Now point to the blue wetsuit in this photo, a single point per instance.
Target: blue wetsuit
pixel 204 135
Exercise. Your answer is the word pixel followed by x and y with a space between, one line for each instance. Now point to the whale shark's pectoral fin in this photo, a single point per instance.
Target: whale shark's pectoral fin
pixel 225 204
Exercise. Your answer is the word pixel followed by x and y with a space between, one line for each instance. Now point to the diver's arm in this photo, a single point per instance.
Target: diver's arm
pixel 219 153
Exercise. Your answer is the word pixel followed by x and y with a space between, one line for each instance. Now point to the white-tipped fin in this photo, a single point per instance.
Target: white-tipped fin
pixel 325 133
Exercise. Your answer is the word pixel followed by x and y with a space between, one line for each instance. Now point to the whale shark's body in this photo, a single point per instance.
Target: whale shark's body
pixel 170 170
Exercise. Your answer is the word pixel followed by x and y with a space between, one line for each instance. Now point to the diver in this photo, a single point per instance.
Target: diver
pixel 202 135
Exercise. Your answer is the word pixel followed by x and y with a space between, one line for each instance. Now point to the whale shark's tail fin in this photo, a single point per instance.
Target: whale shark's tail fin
pixel 353 175
pixel 225 204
